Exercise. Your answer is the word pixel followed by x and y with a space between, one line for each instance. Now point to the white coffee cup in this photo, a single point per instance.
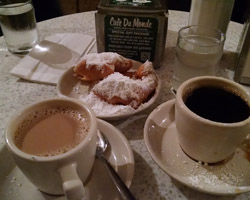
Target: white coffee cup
pixel 204 139
pixel 58 174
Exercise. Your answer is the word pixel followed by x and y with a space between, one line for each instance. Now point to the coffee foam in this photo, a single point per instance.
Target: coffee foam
pixel 37 116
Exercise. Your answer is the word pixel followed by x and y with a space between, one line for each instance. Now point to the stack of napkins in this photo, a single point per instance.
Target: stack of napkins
pixel 48 60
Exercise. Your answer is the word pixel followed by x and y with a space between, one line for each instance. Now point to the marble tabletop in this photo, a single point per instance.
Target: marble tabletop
pixel 150 182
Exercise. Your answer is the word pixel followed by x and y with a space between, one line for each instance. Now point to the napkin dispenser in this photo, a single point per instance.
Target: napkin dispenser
pixel 242 72
pixel 135 29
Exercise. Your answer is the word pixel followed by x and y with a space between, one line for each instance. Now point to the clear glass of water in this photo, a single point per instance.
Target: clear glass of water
pixel 18 24
pixel 198 51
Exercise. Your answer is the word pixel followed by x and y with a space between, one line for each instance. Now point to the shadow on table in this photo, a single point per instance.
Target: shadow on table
pixel 227 62
pixel 144 181
pixel 6 162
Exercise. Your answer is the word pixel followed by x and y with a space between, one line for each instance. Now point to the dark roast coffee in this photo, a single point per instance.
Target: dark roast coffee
pixel 217 104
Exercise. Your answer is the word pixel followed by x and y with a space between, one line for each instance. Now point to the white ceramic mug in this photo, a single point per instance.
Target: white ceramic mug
pixel 59 174
pixel 206 140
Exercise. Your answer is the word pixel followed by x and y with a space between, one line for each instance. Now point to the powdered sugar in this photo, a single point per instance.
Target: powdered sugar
pixel 82 90
pixel 125 87
pixel 148 68
pixel 103 108
pixel 98 60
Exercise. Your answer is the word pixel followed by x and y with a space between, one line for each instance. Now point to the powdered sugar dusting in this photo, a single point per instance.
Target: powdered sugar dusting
pixel 125 87
pixel 83 91
pixel 215 177
pixel 103 108
pixel 148 68
pixel 98 60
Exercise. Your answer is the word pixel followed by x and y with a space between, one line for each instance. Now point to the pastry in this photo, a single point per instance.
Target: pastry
pixel 96 66
pixel 119 89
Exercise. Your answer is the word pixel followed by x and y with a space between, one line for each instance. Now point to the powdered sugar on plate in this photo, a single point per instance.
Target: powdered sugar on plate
pixel 102 108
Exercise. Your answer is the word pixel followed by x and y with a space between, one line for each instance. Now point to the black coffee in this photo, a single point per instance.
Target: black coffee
pixel 217 104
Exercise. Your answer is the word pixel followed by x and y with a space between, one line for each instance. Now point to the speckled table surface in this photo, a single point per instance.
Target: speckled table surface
pixel 150 181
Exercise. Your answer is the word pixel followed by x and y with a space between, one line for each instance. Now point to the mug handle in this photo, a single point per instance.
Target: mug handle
pixel 72 184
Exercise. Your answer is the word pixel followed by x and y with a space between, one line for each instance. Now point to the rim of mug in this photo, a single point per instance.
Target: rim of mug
pixel 179 100
pixel 15 4
pixel 92 131
pixel 221 41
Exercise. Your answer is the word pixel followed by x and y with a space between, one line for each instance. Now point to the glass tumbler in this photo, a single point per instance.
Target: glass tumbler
pixel 198 51
pixel 18 23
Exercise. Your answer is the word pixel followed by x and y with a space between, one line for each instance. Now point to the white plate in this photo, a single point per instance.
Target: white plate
pixel 228 178
pixel 70 86
pixel 15 186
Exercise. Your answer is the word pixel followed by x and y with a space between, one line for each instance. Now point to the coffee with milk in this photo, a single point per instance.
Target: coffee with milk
pixel 52 131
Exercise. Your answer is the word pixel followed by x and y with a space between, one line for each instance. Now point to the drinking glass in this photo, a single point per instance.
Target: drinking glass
pixel 198 52
pixel 18 23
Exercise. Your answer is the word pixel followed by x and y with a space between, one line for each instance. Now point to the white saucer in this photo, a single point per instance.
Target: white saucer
pixel 228 178
pixel 70 86
pixel 15 186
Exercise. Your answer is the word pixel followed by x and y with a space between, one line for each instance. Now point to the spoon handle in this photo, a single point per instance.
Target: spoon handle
pixel 122 188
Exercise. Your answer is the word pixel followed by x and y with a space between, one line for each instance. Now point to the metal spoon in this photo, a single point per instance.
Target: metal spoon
pixel 102 144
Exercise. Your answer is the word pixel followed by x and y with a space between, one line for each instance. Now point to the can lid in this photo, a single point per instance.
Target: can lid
pixel 145 6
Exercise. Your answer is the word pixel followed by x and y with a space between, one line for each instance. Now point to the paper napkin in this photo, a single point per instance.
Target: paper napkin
pixel 47 61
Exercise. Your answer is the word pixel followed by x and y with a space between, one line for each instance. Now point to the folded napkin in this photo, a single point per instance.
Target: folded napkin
pixel 47 61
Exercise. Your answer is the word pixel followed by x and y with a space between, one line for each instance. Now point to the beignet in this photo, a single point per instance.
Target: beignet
pixel 120 89
pixel 96 66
